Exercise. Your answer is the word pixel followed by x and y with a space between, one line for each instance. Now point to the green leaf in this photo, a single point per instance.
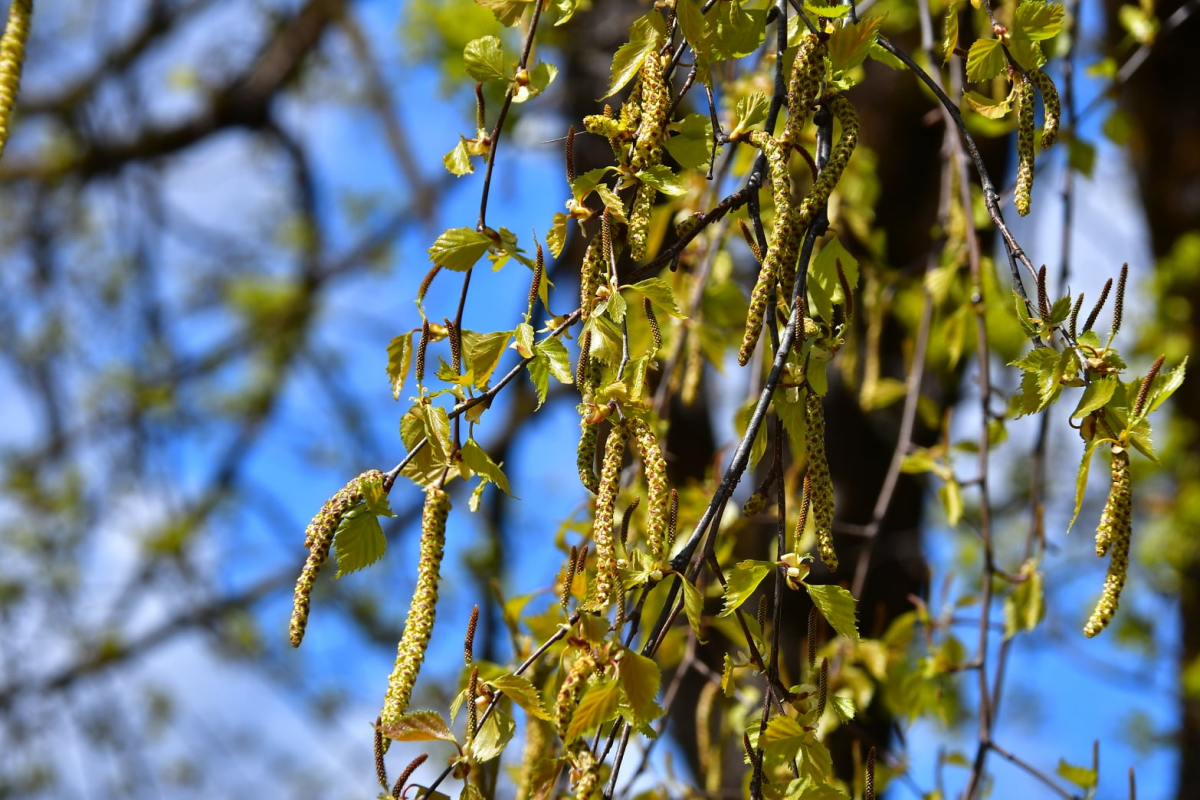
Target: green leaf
pixel 827 11
pixel 1083 777
pixel 539 373
pixel 616 307
pixel 1038 21
pixel 661 178
pixel 950 39
pixel 480 462
pixel 1025 607
pixel 750 111
pixel 843 706
pixel 640 679
pixel 837 606
pixel 743 581
pixel 566 10
pixel 484 60
pixel 951 495
pixel 783 739
pixel 1081 479
pixel 419 726
pixel 399 360
pixel 540 78
pixel 458 160
pixel 588 181
pixel 483 352
pixel 523 693
pixel 524 340
pixel 693 24
pixel 1027 54
pixel 359 540
pixel 645 35
pixel 1095 396
pixel 692 145
pixel 557 357
pixel 660 294
pixel 1165 385
pixel 738 31
pixel 985 60
pixel 824 271
pixel 693 605
pixel 459 248
pixel 616 209
pixel 493 736
pixel 374 496
pixel 850 45
pixel 598 705
pixel 556 239
pixel 982 104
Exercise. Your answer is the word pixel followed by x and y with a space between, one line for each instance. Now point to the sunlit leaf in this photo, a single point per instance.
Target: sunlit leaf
pixel 419 726
pixel 985 60
pixel 597 706
pixel 838 607
pixel 640 678
pixel 742 581
pixel 459 248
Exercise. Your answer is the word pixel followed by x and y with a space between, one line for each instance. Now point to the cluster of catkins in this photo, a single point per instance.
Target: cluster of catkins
pixel 1027 86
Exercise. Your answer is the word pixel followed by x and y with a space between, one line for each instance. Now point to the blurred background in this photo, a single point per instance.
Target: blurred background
pixel 213 220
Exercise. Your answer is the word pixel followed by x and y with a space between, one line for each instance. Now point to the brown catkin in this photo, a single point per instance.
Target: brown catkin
pixel 1051 104
pixel 821 487
pixel 602 528
pixel 583 367
pixel 426 282
pixel 847 292
pixel 585 456
pixel 672 519
pixel 750 241
pixel 1071 325
pixel 423 609
pixel 1119 306
pixel 581 560
pixel 823 697
pixel 805 505
pixel 398 788
pixel 1043 296
pixel 1116 517
pixel 1147 382
pixel 570 154
pixel 318 538
pixel 539 270
pixel 422 346
pixel 761 617
pixel 564 597
pixel 480 108
pixel 455 345
pixel 869 789
pixel 1024 190
pixel 646 443
pixel 12 58
pixel 655 332
pixel 572 689
pixel 472 706
pixel 1091 320
pixel 380 764
pixel 813 622
pixel 469 639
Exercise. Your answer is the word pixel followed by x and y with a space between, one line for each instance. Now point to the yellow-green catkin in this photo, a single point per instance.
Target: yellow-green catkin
pixel 585 772
pixel 589 277
pixel 808 71
pixel 639 221
pixel 538 746
pixel 839 157
pixel 820 482
pixel 1052 105
pixel 12 57
pixel 602 528
pixel 317 538
pixel 1024 190
pixel 782 244
pixel 656 102
pixel 694 369
pixel 570 692
pixel 419 625
pixel 1117 516
pixel 646 444
pixel 585 456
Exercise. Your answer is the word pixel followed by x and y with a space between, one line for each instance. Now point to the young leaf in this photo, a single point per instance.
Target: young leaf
pixel 399 360
pixel 359 540
pixel 661 178
pixel 523 693
pixel 1096 395
pixel 783 739
pixel 850 45
pixel 480 462
pixel 539 373
pixel 837 606
pixel 557 359
pixel 524 340
pixel 459 248
pixel 660 294
pixel 508 12
pixel 1038 21
pixel 693 605
pixel 484 60
pixel 742 581
pixel 985 60
pixel 692 145
pixel 640 678
pixel 950 40
pixel 951 495
pixel 419 726
pixel 1025 607
pixel 598 705
pixel 1165 385
pixel 458 160
pixel 982 104
pixel 556 239
pixel 824 270
pixel 1081 478
pixel 493 736
pixel 1083 777
pixel 843 706
pixel 540 78
pixel 482 353
pixel 645 35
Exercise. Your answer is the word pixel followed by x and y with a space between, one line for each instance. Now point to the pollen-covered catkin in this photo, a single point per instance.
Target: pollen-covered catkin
pixel 585 456
pixel 839 157
pixel 781 248
pixel 419 625
pixel 317 538
pixel 1051 104
pixel 572 689
pixel 656 102
pixel 808 70
pixel 12 57
pixel 820 482
pixel 1118 512
pixel 585 772
pixel 602 528
pixel 639 221
pixel 656 480
pixel 1024 190
pixel 1115 515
